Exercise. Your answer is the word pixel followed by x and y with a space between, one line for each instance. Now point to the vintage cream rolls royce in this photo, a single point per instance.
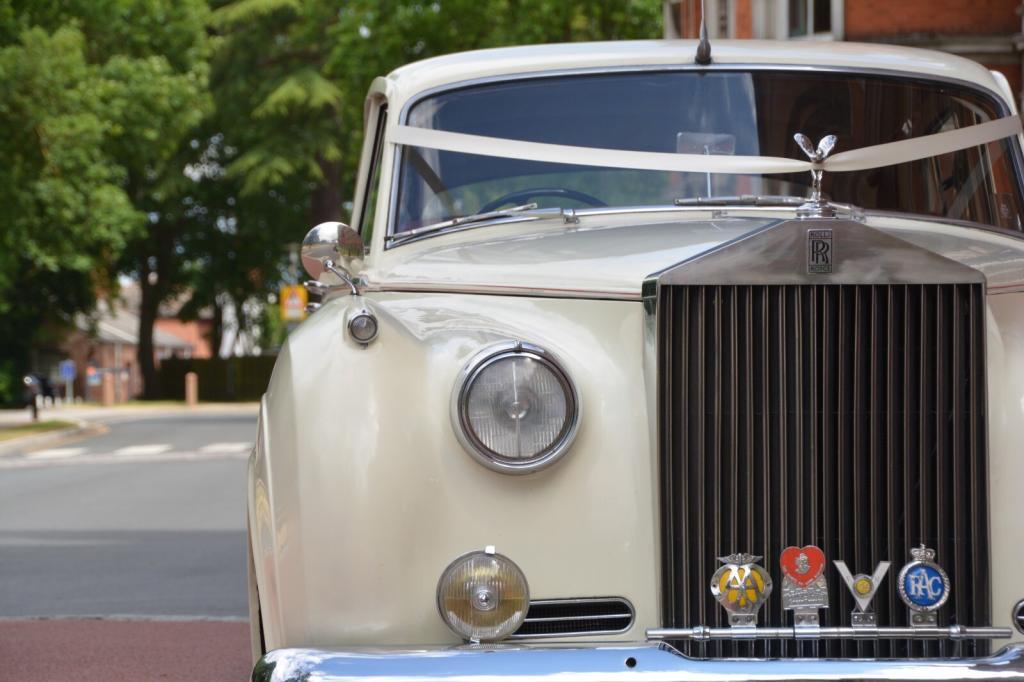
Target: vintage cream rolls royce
pixel 633 366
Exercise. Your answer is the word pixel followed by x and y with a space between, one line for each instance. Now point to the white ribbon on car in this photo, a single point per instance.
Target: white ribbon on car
pixel 874 156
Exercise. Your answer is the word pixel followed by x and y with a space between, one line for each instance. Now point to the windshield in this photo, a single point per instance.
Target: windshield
pixel 706 112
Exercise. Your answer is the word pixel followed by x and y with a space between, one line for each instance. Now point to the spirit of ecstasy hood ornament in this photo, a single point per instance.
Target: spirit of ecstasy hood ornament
pixel 815 207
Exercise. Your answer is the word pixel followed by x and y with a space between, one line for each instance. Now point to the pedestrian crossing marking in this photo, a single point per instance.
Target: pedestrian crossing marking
pixel 53 453
pixel 150 449
pixel 225 448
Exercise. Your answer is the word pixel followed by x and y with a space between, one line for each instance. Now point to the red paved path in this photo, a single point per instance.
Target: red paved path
pixel 88 650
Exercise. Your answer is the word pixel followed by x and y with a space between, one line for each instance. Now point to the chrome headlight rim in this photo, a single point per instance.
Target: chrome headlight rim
pixel 464 431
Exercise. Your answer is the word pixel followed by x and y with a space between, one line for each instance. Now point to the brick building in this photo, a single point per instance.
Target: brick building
pixel 988 31
pixel 106 342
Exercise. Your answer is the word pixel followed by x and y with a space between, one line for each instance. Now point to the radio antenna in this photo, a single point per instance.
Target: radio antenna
pixel 703 56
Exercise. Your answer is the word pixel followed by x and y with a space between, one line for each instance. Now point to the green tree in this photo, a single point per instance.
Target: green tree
pixel 237 246
pixel 119 97
pixel 268 80
pixel 289 79
pixel 62 202
pixel 294 74
pixel 373 37
pixel 183 142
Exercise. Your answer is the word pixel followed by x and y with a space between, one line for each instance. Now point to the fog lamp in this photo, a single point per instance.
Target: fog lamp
pixel 483 596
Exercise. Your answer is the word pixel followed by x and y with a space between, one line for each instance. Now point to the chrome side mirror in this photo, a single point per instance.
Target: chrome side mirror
pixel 334 247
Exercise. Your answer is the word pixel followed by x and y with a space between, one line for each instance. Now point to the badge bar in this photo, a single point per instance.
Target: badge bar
pixel 703 633
pixel 741 586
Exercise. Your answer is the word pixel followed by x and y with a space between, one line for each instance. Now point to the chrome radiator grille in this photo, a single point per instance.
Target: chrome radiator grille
pixel 847 416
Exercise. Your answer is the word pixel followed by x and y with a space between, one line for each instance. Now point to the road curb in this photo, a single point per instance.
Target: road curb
pixel 98 420
pixel 38 440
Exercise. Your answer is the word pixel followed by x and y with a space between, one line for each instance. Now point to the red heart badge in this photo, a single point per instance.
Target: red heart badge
pixel 802 565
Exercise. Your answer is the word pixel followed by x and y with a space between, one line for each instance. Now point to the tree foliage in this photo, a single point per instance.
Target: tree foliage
pixel 96 97
pixel 298 72
pixel 183 142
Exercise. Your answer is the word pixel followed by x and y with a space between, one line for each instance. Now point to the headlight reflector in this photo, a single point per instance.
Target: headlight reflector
pixel 515 409
pixel 483 596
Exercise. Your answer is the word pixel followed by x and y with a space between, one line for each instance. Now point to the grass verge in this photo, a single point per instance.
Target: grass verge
pixel 8 432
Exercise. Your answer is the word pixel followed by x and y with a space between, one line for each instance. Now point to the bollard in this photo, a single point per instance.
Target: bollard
pixel 107 389
pixel 31 394
pixel 191 389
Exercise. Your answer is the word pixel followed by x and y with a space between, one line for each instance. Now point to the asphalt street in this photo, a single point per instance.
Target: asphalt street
pixel 143 520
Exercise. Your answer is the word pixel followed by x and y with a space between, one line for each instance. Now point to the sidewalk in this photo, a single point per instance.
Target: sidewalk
pixel 109 650
pixel 89 417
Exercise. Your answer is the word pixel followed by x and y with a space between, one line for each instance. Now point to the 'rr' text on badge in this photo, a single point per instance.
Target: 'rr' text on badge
pixel 819 252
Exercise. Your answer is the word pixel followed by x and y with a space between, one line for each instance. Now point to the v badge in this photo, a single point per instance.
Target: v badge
pixel 863 588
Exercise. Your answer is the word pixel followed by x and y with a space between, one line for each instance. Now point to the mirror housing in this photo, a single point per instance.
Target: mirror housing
pixel 335 247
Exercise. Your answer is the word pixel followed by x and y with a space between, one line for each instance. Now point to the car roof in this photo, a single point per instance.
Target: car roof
pixel 437 72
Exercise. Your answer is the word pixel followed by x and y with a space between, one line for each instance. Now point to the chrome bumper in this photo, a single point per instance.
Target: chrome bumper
pixel 645 662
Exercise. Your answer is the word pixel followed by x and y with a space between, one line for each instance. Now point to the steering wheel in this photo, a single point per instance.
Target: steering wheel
pixel 521 196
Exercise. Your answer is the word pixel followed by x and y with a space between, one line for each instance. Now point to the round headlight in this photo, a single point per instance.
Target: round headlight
pixel 514 408
pixel 483 596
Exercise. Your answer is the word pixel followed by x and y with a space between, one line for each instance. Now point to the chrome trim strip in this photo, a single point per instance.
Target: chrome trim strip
pixel 403 117
pixel 631 662
pixel 1013 288
pixel 565 619
pixel 502 290
pixel 703 633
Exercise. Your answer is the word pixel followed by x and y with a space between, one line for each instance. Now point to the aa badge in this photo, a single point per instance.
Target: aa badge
pixel 923 586
pixel 863 588
pixel 741 587
pixel 804 589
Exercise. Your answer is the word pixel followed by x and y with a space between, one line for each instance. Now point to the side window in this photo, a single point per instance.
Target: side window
pixel 373 186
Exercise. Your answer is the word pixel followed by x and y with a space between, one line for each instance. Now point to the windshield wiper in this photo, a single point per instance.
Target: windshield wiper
pixel 464 220
pixel 744 200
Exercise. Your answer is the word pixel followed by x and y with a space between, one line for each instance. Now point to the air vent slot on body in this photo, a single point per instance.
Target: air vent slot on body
pixel 574 617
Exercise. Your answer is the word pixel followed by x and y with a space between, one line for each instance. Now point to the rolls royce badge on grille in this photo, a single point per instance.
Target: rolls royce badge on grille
pixel 820 253
pixel 741 587
pixel 923 586
pixel 863 588
pixel 804 588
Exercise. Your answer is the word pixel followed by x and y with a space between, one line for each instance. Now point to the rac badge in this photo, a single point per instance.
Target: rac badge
pixel 923 586
pixel 804 589
pixel 863 588
pixel 741 587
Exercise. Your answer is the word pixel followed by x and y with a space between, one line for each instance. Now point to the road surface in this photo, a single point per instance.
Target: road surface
pixel 141 525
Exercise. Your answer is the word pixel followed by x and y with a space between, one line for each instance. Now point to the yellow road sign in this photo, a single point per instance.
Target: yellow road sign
pixel 293 299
